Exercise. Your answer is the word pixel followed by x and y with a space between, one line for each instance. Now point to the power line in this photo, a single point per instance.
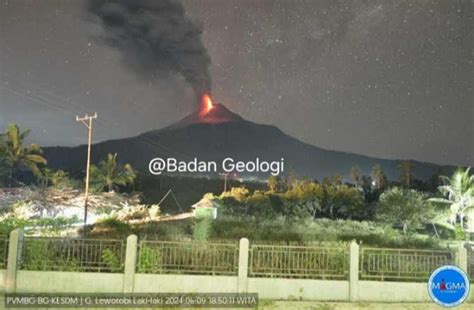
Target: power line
pixel 87 121
pixel 170 192
pixel 52 100
pixel 141 138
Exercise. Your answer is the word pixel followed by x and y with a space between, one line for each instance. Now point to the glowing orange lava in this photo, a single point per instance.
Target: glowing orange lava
pixel 206 104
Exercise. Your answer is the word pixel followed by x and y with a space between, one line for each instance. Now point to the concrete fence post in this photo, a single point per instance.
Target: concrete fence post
pixel 130 264
pixel 353 271
pixel 243 265
pixel 14 255
pixel 462 258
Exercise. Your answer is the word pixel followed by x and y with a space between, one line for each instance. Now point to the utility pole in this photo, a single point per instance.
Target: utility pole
pixel 225 180
pixel 87 121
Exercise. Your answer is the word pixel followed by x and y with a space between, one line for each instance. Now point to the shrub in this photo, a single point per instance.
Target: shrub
pixel 39 256
pixel 304 199
pixel 202 229
pixel 459 233
pixel 131 213
pixel 136 212
pixel 281 230
pixel 111 260
pixel 58 179
pixel 405 207
pixel 154 211
pixel 150 260
pixel 7 225
pixel 46 226
pixel 112 227
pixel 202 213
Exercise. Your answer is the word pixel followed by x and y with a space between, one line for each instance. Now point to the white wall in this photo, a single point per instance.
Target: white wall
pixel 69 282
pixel 299 289
pixel 393 291
pixel 149 283
pixel 267 288
pixel 2 279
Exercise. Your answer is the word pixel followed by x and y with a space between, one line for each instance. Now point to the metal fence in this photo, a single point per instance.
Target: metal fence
pixel 401 264
pixel 188 258
pixel 3 251
pixel 61 254
pixel 330 262
pixel 308 262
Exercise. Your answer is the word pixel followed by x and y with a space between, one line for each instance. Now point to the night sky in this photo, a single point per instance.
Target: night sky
pixel 391 79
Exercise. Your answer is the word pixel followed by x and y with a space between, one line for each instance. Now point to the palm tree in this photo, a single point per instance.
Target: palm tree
pixel 405 173
pixel 58 179
pixel 379 177
pixel 356 175
pixel 16 156
pixel 108 174
pixel 3 169
pixel 459 190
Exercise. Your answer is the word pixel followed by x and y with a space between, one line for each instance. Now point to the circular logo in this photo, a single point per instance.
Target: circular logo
pixel 448 286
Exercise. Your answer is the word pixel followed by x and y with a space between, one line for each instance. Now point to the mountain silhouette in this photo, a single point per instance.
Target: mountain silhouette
pixel 218 133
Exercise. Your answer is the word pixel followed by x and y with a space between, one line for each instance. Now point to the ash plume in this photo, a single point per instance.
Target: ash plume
pixel 156 39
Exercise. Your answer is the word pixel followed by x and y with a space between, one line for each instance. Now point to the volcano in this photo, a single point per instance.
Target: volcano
pixel 217 114
pixel 214 133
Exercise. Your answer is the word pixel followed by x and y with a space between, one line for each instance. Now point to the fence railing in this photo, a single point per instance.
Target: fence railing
pixel 289 266
pixel 65 254
pixel 299 262
pixel 3 251
pixel 188 258
pixel 401 264
pixel 273 261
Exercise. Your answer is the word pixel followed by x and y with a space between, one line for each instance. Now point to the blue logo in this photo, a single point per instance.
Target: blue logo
pixel 448 286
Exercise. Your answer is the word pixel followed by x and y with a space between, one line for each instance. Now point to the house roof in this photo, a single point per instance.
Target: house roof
pixel 205 203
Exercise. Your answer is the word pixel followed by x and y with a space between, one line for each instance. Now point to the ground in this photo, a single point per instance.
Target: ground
pixel 309 305
pixel 280 305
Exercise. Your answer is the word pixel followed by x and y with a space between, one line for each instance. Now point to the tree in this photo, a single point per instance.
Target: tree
pixel 341 200
pixel 292 178
pixel 239 193
pixel 379 177
pixel 272 183
pixel 108 174
pixel 333 181
pixel 459 193
pixel 303 199
pixel 3 169
pixel 405 173
pixel 434 181
pixel 367 185
pixel 405 207
pixel 356 175
pixel 259 204
pixel 58 179
pixel 16 156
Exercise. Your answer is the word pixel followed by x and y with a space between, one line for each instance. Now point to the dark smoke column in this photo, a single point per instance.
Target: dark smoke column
pixel 156 39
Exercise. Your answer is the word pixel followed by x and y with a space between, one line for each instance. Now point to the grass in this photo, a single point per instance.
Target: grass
pixel 265 303
pixel 320 230
pixel 323 307
pixel 279 231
